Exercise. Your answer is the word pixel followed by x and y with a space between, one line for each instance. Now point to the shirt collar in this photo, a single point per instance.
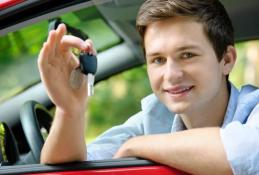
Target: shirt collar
pixel 232 105
pixel 178 124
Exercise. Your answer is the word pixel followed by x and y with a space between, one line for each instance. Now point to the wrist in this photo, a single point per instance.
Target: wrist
pixel 70 112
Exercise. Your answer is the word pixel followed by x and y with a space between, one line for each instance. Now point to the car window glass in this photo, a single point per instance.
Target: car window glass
pixel 19 49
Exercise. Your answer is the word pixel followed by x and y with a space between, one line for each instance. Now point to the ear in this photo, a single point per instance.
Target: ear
pixel 229 59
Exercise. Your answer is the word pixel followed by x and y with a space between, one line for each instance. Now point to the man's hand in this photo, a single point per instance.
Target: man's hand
pixel 56 62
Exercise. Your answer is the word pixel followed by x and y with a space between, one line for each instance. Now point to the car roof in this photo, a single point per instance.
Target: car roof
pixel 242 13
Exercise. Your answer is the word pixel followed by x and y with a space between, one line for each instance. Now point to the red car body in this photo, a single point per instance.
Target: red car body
pixel 127 166
pixel 150 170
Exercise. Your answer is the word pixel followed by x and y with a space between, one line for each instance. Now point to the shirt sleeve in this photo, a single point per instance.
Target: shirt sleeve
pixel 241 144
pixel 154 118
pixel 106 145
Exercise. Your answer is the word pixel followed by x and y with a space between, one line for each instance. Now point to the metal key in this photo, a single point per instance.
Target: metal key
pixel 88 66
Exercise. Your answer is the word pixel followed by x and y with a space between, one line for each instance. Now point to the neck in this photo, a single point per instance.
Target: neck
pixel 211 115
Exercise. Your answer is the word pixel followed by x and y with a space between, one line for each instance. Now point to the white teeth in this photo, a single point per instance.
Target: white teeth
pixel 182 90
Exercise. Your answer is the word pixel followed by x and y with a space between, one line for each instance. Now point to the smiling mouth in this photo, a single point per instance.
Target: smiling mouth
pixel 179 91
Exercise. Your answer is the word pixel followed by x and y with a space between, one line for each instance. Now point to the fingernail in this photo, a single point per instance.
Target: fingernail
pixel 85 47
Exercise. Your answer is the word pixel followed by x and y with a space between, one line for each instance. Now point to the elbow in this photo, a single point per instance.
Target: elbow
pixel 60 158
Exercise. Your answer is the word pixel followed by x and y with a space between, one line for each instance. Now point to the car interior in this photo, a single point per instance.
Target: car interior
pixel 26 112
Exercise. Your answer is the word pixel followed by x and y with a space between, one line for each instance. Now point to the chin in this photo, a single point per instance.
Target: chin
pixel 177 108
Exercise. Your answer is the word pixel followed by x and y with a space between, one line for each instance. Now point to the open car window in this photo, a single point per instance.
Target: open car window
pixel 19 49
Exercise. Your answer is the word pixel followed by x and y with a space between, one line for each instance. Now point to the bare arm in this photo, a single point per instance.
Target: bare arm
pixel 197 151
pixel 56 61
pixel 66 141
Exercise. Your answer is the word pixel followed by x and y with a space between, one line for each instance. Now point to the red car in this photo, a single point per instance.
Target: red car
pixel 26 110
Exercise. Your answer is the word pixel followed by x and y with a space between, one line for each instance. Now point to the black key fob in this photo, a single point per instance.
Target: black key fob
pixel 88 63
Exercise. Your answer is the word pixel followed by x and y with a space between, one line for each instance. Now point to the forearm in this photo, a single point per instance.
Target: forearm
pixel 197 151
pixel 66 140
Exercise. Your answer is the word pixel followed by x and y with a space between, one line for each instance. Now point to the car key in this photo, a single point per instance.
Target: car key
pixel 88 66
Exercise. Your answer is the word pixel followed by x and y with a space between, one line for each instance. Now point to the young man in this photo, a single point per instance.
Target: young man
pixel 195 121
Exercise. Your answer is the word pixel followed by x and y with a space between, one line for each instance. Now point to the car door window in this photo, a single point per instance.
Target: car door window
pixel 19 49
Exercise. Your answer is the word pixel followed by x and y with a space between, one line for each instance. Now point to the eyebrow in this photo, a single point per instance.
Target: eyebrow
pixel 181 48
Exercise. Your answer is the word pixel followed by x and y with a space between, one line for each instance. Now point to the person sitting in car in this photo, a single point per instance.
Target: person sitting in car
pixel 196 120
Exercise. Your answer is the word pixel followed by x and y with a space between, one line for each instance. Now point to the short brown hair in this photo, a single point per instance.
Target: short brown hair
pixel 211 13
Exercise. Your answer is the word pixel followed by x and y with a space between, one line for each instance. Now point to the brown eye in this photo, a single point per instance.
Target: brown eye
pixel 159 60
pixel 187 55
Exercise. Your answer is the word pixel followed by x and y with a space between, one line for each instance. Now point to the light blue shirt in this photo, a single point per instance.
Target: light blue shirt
pixel 239 131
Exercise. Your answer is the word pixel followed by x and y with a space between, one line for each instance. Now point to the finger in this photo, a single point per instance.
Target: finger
pixel 61 31
pixel 73 61
pixel 52 43
pixel 94 52
pixel 69 41
pixel 90 48
pixel 43 59
pixel 43 55
pixel 117 155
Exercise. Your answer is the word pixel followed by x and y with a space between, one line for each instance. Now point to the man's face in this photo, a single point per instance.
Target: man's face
pixel 182 65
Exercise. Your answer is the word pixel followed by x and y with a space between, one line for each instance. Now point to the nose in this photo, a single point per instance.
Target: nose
pixel 173 71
